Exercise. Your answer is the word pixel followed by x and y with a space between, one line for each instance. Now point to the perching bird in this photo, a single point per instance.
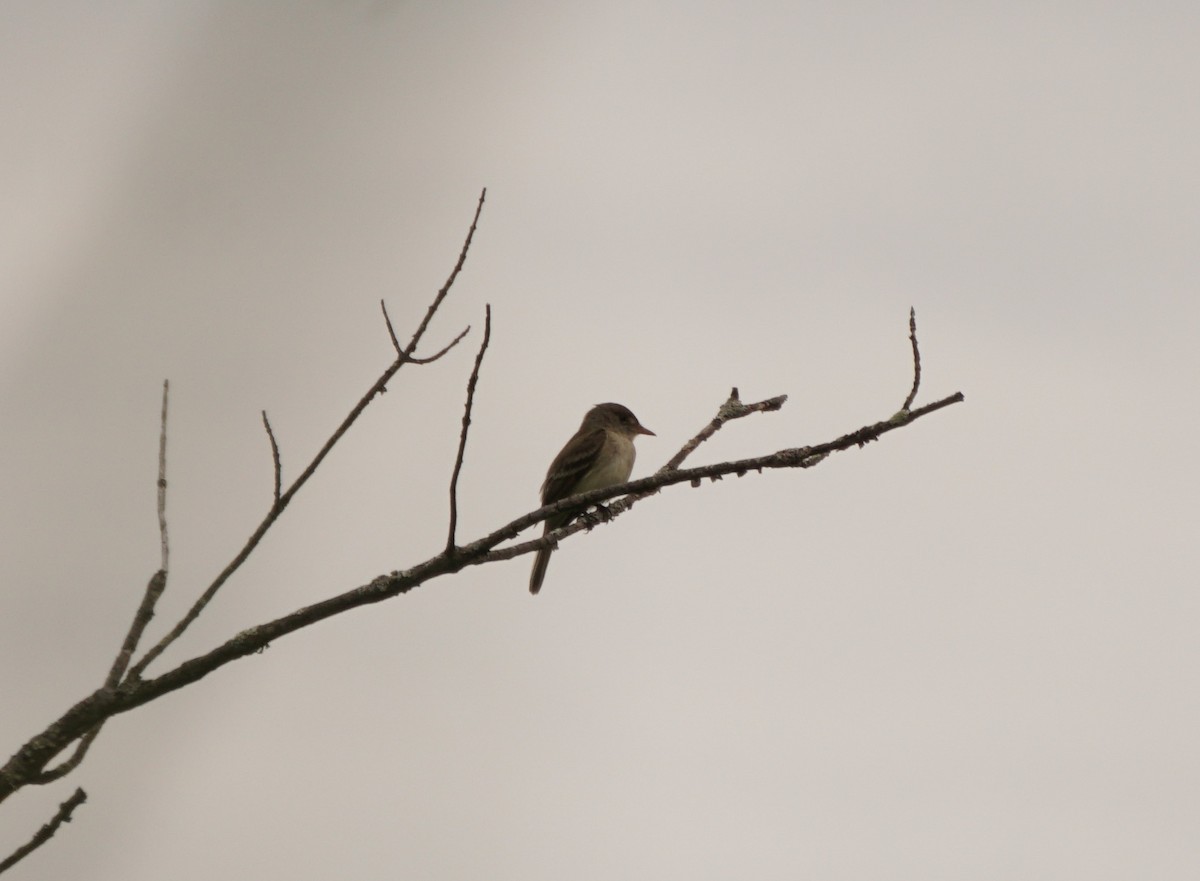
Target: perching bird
pixel 600 454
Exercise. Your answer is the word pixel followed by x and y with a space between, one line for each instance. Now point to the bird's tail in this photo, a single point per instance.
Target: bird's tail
pixel 539 570
pixel 539 566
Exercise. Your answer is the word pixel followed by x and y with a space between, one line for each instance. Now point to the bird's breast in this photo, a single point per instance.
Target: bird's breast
pixel 613 465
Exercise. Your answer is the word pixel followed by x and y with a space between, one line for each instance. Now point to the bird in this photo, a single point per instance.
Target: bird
pixel 600 455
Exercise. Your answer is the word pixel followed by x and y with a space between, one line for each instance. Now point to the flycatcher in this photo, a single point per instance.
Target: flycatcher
pixel 600 455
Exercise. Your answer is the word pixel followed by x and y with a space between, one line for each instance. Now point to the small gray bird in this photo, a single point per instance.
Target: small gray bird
pixel 600 454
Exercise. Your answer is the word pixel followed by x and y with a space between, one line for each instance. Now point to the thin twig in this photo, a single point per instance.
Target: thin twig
pixel 257 536
pixel 47 831
pixel 912 335
pixel 444 349
pixel 733 408
pixel 158 581
pixel 466 424
pixel 162 482
pixel 391 330
pixel 274 457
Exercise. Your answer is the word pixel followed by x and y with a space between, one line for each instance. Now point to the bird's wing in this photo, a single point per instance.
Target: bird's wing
pixel 569 466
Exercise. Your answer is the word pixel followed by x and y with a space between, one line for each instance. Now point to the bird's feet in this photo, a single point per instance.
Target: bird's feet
pixel 595 516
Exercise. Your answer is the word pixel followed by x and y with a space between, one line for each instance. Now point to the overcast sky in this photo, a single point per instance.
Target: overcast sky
pixel 966 651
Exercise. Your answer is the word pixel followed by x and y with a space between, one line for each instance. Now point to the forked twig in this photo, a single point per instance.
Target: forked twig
pixel 411 359
pixel 733 408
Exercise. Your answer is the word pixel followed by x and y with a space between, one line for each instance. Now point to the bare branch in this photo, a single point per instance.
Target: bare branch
pixel 466 424
pixel 444 349
pixel 733 408
pixel 81 722
pixel 912 335
pixel 25 765
pixel 47 831
pixel 284 499
pixel 274 458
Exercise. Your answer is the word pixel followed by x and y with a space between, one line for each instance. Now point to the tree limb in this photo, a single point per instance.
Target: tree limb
pixel 104 703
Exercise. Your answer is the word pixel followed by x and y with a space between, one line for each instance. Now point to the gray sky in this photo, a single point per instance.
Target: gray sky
pixel 967 651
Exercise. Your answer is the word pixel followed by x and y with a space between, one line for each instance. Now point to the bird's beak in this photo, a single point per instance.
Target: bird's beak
pixel 641 429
